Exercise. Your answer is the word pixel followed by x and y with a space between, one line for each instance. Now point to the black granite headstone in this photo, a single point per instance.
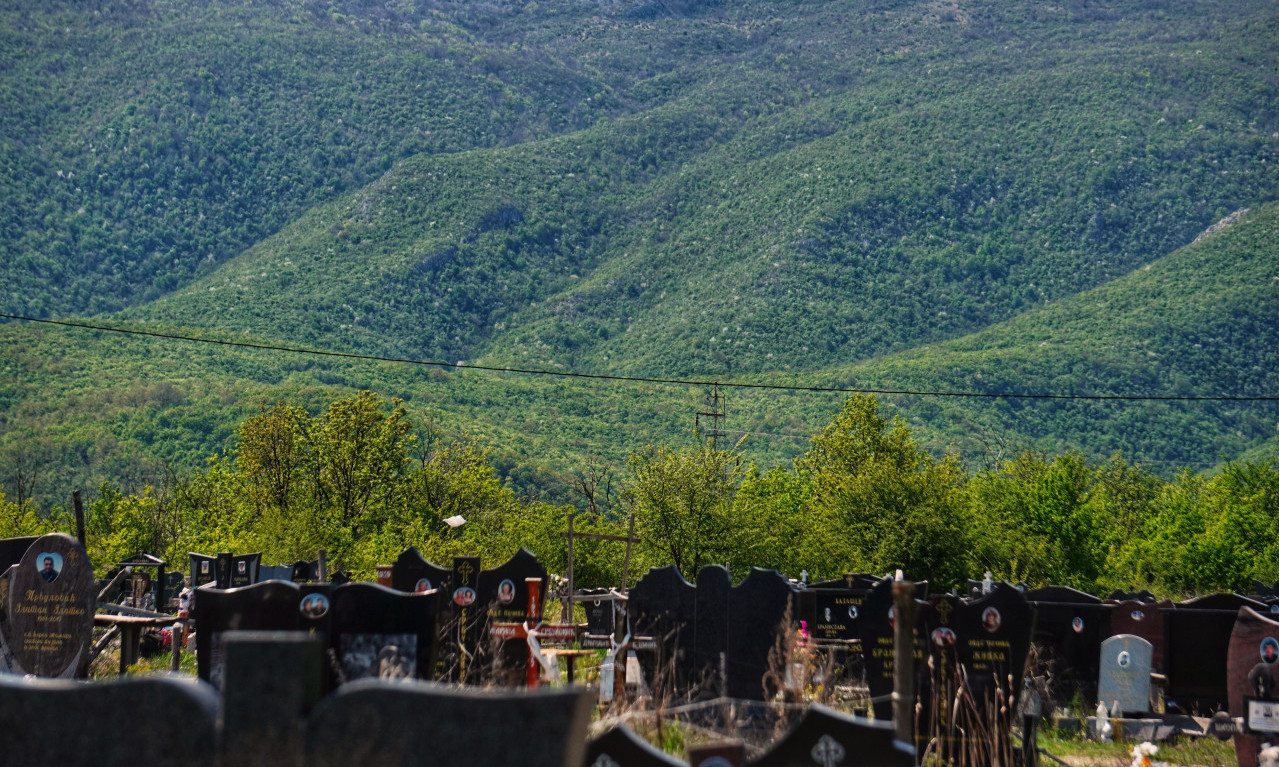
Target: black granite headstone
pixel 601 613
pixel 662 606
pixel 412 573
pixel 461 616
pixel 51 602
pixel 760 611
pixel 710 630
pixel 994 641
pixel 1069 628
pixel 503 590
pixel 1198 645
pixel 875 623
pixel 619 747
pixel 383 633
pixel 270 606
pixel 370 722
pixel 272 682
pixel 60 722
pixel 204 569
pixel 12 549
pixel 244 570
pixel 827 738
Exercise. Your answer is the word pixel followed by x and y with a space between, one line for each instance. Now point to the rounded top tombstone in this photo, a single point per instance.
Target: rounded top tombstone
pixel 51 605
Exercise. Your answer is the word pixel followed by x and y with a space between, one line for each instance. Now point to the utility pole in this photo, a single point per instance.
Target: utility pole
pixel 715 413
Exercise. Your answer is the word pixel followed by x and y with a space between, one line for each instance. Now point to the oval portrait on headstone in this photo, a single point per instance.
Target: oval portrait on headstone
pixel 1137 615
pixel 1269 650
pixel 1124 659
pixel 1274 608
pixel 1077 624
pixel 892 616
pixel 506 591
pixel 49 564
pixel 990 619
pixel 423 584
pixel 944 636
pixel 314 605
pixel 464 596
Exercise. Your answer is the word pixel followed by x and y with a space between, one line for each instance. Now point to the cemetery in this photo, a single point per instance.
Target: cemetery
pixel 297 665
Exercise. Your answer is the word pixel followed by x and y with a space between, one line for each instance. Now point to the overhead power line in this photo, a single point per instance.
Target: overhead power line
pixel 642 379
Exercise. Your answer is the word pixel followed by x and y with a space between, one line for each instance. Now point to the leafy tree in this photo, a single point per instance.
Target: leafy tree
pixel 684 502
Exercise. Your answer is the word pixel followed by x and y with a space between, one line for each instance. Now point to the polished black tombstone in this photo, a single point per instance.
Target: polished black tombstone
pixel 244 569
pixel 12 549
pixel 601 615
pixel 503 597
pixel 710 630
pixel 827 738
pixel 994 641
pixel 1198 645
pixel 411 572
pixel 761 609
pixel 204 569
pixel 1069 628
pixel 382 633
pixel 619 747
pixel 270 606
pixel 662 608
pixel 876 624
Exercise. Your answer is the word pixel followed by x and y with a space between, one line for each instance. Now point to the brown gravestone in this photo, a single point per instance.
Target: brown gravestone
pixel 1146 620
pixel 51 605
pixel 1252 673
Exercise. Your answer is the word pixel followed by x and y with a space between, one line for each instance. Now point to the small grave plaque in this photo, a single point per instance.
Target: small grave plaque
pixel 1125 674
pixel 50 608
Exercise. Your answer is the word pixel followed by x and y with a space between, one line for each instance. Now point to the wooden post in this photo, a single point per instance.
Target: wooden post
pixel 904 662
pixel 176 634
pixel 567 615
pixel 626 563
pixel 323 566
pixel 79 516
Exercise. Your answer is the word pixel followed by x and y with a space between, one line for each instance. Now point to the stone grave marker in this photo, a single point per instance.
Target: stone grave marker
pixel 601 616
pixel 1198 645
pixel 1069 628
pixel 620 747
pixel 710 629
pixel 939 678
pixel 269 606
pixel 827 738
pixel 51 602
pixel 272 682
pixel 1125 675
pixel 994 640
pixel 244 569
pixel 411 572
pixel 876 623
pixel 462 620
pixel 503 590
pixel 12 549
pixel 383 633
pixel 124 722
pixel 760 610
pixel 1252 668
pixel 204 569
pixel 662 608
pixel 417 723
pixel 223 566
pixel 275 573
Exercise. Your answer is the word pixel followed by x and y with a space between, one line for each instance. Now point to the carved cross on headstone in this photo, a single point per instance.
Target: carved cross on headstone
pixel 828 752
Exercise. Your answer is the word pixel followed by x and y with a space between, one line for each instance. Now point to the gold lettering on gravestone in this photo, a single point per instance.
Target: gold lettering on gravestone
pixel 465 570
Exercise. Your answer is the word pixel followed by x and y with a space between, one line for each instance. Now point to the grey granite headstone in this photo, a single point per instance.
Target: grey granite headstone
pixel 50 608
pixel 1125 673
pixel 401 724
pixel 271 681
pixel 153 721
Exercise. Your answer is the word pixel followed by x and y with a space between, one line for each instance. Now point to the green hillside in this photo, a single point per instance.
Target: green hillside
pixel 991 197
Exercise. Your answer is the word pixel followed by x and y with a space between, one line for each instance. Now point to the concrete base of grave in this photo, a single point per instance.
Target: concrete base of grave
pixel 1137 730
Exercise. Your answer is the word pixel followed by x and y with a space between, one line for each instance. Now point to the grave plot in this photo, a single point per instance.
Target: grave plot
pixel 48 600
